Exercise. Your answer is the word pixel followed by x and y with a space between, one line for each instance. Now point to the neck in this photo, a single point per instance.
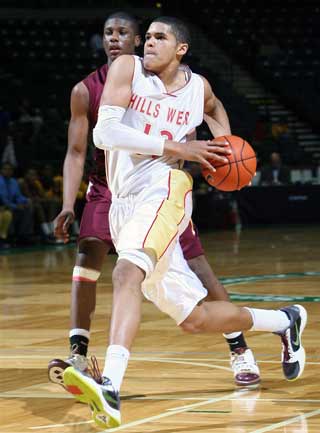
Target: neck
pixel 172 77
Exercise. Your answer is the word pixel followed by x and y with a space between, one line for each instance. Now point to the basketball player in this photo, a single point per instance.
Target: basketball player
pixel 120 37
pixel 147 107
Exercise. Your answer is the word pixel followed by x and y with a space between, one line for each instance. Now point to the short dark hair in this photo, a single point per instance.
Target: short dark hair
pixel 125 16
pixel 178 27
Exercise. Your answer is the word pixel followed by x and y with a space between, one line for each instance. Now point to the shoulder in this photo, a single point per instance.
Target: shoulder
pixel 80 90
pixel 122 69
pixel 80 97
pixel 125 61
pixel 206 84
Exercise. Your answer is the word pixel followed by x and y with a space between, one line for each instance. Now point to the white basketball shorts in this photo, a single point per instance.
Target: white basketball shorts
pixel 145 229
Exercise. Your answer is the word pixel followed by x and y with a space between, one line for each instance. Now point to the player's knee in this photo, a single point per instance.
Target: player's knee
pixel 127 276
pixel 91 253
pixel 195 322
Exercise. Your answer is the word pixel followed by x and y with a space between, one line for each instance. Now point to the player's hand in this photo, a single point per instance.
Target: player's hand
pixel 200 151
pixel 62 224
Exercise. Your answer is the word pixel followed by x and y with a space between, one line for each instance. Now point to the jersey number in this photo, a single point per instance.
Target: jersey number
pixel 163 133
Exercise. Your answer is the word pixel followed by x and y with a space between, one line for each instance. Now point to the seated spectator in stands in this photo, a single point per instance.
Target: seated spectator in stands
pixel 275 173
pixel 5 221
pixel 44 208
pixel 20 206
pixel 283 136
pixel 263 141
pixel 56 191
pixel 46 177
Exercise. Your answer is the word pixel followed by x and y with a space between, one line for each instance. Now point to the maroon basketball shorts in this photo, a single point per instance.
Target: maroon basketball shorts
pixel 190 242
pixel 95 216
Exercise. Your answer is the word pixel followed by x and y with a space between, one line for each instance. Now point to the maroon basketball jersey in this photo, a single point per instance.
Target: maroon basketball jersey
pixel 95 83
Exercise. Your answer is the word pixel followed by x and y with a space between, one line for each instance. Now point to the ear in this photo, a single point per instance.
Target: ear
pixel 182 49
pixel 137 41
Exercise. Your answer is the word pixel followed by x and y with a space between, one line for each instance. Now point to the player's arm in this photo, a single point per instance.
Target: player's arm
pixel 214 113
pixel 110 133
pixel 75 158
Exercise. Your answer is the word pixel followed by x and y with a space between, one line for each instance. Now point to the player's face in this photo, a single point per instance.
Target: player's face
pixel 119 38
pixel 161 47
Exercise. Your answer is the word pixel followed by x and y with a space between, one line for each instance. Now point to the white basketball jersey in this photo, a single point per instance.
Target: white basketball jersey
pixel 155 112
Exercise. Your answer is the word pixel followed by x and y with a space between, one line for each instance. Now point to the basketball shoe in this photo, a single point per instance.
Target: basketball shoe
pixel 103 399
pixel 245 369
pixel 293 355
pixel 56 367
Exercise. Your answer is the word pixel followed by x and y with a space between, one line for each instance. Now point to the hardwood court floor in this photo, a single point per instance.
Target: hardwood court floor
pixel 175 383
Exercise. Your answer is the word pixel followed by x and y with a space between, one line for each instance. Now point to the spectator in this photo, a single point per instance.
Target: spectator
pixel 56 192
pixel 275 173
pixel 20 206
pixel 5 221
pixel 46 177
pixel 44 208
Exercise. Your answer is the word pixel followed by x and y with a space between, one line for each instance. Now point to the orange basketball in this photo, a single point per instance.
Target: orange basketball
pixel 236 173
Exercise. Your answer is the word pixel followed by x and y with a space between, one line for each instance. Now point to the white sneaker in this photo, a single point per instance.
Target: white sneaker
pixel 245 369
pixel 293 355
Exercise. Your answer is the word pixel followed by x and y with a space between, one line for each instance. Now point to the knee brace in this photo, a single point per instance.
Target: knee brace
pixel 85 274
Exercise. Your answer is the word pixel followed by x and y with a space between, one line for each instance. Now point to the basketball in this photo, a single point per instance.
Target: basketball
pixel 236 173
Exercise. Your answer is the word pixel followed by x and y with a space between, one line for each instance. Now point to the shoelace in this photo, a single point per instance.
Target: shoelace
pixel 94 370
pixel 288 352
pixel 241 364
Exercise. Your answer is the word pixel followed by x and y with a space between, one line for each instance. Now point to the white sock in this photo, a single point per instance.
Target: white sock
pixel 268 320
pixel 115 366
pixel 232 335
pixel 79 331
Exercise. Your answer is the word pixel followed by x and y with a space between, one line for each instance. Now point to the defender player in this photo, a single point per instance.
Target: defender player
pixel 147 108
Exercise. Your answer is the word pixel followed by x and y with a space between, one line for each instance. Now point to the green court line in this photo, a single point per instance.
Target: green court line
pixel 231 281
pixel 35 248
pixel 249 278
pixel 272 298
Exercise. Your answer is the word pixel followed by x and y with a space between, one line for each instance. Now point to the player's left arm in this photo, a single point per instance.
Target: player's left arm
pixel 215 114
